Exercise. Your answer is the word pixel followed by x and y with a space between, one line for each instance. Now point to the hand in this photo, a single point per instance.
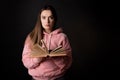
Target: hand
pixel 37 60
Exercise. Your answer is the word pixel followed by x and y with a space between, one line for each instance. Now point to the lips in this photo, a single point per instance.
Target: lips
pixel 47 25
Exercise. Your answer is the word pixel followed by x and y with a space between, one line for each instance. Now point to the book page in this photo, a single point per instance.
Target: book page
pixel 58 52
pixel 38 51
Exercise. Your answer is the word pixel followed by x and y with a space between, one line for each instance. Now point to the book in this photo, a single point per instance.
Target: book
pixel 38 51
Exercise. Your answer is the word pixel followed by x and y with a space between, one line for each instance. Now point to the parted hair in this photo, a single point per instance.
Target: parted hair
pixel 37 33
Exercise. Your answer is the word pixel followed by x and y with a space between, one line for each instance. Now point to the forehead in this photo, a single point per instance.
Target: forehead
pixel 46 13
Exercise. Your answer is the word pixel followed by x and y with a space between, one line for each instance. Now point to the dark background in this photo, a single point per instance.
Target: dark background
pixel 89 26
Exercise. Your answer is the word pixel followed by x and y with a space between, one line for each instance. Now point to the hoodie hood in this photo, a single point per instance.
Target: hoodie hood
pixel 56 31
pixel 50 38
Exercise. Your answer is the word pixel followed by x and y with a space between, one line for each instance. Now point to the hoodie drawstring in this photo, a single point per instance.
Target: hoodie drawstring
pixel 49 41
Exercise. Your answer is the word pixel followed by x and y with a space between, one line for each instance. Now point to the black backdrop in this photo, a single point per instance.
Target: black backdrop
pixel 88 23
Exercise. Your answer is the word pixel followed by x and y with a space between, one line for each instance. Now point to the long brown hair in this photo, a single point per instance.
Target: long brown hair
pixel 37 33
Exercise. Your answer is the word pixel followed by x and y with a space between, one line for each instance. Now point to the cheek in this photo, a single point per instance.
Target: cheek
pixel 52 22
pixel 42 22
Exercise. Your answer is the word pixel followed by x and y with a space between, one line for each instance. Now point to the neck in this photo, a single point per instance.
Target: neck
pixel 48 31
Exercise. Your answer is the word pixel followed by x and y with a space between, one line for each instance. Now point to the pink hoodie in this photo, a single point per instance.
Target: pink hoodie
pixel 50 68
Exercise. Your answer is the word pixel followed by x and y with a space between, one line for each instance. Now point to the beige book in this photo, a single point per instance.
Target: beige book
pixel 38 51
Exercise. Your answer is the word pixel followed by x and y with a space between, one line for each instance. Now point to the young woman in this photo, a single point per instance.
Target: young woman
pixel 49 68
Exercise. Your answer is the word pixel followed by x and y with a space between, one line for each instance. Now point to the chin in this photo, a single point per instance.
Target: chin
pixel 47 27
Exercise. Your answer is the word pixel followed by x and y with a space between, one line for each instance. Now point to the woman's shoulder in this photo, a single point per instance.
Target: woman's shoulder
pixel 63 34
pixel 60 32
pixel 28 39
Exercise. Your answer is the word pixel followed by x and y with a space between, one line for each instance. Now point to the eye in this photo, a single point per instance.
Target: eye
pixel 51 17
pixel 43 17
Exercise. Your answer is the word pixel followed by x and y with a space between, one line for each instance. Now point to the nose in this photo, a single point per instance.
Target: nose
pixel 47 20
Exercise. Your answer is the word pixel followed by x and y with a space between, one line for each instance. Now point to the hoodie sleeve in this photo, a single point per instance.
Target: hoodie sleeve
pixel 64 62
pixel 29 62
pixel 68 58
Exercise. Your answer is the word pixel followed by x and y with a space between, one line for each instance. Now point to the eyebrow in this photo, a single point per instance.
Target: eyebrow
pixel 48 16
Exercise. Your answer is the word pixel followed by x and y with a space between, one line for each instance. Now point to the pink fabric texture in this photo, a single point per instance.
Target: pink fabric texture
pixel 52 67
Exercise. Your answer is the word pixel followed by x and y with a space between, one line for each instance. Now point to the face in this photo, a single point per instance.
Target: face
pixel 47 20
